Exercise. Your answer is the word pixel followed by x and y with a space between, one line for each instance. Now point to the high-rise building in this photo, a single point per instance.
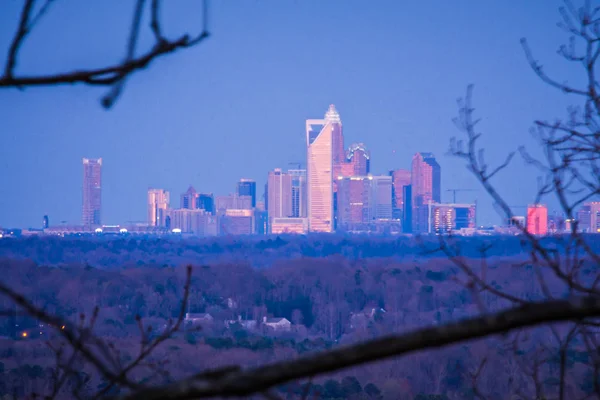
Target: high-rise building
pixel 426 188
pixel 589 217
pixel 447 218
pixel 45 222
pixel 232 202
pixel 247 187
pixel 359 158
pixel 400 178
pixel 299 194
pixel 408 209
pixel 337 139
pixel 206 201
pixel 188 199
pixel 319 144
pixel 537 219
pixel 92 193
pixel 193 222
pixel 381 197
pixel 280 194
pixel 237 222
pixel 158 203
pixel 354 198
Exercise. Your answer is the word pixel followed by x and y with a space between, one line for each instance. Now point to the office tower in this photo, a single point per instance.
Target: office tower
pixel 280 194
pixel 247 187
pixel 337 139
pixel 447 218
pixel 425 186
pixel 584 219
pixel 193 222
pixel 408 209
pixel 319 156
pixel 355 210
pixel 537 219
pixel 158 203
pixel 381 188
pixel 205 201
pixel 188 199
pixel 359 159
pixel 232 202
pixel 237 222
pixel 400 178
pixel 45 222
pixel 299 194
pixel 589 217
pixel 92 193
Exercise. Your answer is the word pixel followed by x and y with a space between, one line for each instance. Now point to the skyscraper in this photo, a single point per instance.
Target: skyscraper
pixel 319 157
pixel 425 183
pixel 279 194
pixel 188 199
pixel 299 194
pixel 537 219
pixel 92 193
pixel 338 153
pixel 594 216
pixel 360 159
pixel 158 203
pixel 400 178
pixel 206 201
pixel 354 198
pixel 247 187
pixel 381 197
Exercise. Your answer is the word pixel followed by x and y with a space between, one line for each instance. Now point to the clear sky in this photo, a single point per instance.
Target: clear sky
pixel 235 106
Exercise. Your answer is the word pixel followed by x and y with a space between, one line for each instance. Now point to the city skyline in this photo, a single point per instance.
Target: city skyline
pixel 396 92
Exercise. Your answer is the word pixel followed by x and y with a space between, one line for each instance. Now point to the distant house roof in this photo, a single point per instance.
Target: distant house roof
pixel 275 320
pixel 189 316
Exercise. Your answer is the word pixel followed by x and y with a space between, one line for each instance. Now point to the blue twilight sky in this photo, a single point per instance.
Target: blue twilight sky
pixel 235 106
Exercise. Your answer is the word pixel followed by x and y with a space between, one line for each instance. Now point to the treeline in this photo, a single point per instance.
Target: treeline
pixel 260 251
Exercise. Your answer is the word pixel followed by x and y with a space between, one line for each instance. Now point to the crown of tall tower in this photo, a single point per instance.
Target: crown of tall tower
pixel 332 115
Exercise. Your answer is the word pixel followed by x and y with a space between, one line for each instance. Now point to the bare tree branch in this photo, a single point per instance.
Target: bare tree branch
pixel 256 380
pixel 113 75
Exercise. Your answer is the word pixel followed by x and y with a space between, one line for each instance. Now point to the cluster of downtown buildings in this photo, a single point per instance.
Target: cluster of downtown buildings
pixel 335 193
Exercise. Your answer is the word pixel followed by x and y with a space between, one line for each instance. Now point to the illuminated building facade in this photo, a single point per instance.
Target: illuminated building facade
pixel 537 219
pixel 359 159
pixel 400 178
pixel 237 222
pixel 158 203
pixel 92 193
pixel 448 218
pixel 188 199
pixel 381 196
pixel 299 194
pixel 425 186
pixel 319 144
pixel 192 221
pixel 279 194
pixel 354 202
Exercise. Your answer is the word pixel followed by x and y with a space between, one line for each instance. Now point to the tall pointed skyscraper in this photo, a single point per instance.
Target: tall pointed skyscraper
pixel 322 151
pixel 92 193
